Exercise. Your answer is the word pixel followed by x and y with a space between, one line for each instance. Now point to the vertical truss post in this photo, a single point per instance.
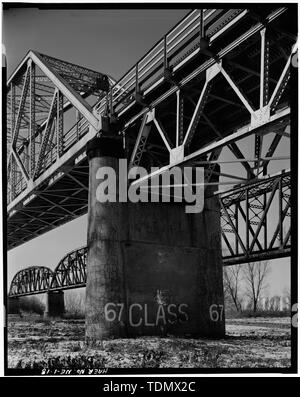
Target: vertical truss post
pixel 179 118
pixel 60 125
pixel 201 24
pixel 265 223
pixel 166 64
pixel 247 220
pixel 13 185
pixel 236 217
pixel 280 212
pixel 32 119
pixel 264 69
pixel 264 90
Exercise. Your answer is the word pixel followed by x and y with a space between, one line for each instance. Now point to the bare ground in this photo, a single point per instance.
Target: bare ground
pixel 250 343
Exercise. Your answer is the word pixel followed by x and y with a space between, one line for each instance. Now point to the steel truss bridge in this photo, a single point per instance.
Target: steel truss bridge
pixel 69 273
pixel 215 91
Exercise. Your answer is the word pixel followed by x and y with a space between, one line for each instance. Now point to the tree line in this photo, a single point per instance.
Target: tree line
pixel 245 285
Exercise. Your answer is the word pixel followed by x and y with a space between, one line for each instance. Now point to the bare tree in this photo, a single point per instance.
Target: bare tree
pixel 232 278
pixel 75 304
pixel 287 297
pixel 255 275
pixel 274 305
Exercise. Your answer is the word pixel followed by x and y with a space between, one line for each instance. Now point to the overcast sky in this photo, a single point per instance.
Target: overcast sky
pixel 109 41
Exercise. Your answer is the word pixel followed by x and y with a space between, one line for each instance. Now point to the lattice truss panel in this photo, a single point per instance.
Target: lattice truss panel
pixel 256 220
pixel 31 280
pixel 69 273
pixel 43 122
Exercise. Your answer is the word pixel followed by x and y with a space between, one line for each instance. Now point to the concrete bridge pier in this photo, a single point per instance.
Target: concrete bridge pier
pixel 13 305
pixel 105 283
pixel 152 268
pixel 55 304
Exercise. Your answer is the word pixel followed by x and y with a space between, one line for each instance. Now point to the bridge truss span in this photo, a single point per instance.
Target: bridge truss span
pixel 69 273
pixel 249 232
pixel 32 280
pixel 71 270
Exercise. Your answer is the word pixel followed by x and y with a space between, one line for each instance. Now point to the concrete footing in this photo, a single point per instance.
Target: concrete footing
pixel 152 268
pixel 55 305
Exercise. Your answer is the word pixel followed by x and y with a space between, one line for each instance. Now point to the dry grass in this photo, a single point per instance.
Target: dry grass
pixel 250 343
